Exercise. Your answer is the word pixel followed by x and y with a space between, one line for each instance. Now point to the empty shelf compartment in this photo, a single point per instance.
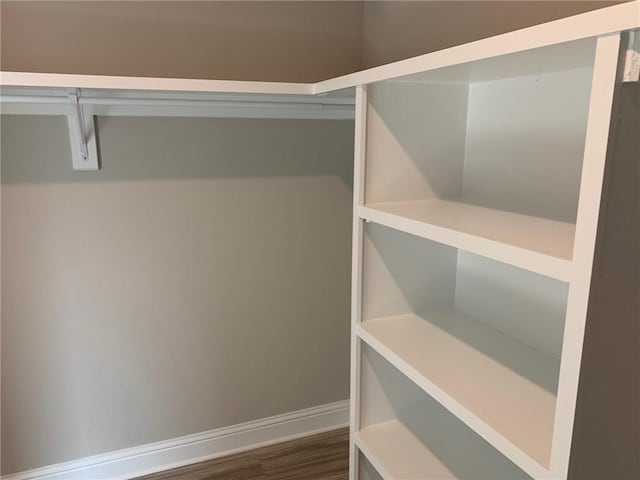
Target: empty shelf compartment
pixel 483 160
pixel 482 337
pixel 405 434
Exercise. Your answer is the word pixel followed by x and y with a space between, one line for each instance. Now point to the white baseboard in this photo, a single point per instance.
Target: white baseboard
pixel 154 457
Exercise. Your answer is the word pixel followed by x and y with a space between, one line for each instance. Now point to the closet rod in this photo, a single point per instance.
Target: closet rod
pixel 148 102
pixel 81 109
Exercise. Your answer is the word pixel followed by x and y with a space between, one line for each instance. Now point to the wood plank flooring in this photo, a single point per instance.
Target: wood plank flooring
pixel 319 457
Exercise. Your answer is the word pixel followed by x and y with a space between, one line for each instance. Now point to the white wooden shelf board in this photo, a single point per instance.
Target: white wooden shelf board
pixel 61 80
pixel 445 451
pixel 500 387
pixel 536 244
pixel 604 21
pixel 564 56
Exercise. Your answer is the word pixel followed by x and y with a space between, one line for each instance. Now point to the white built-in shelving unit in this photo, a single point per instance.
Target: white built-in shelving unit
pixel 477 194
pixel 478 183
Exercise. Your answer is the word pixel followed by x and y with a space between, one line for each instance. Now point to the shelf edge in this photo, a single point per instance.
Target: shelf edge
pixel 371 458
pixel 64 80
pixel 604 21
pixel 530 260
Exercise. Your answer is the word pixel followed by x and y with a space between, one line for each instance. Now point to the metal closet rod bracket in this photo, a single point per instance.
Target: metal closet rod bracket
pixel 632 57
pixel 84 152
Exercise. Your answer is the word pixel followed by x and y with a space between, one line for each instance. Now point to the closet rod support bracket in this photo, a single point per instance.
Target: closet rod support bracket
pixel 84 152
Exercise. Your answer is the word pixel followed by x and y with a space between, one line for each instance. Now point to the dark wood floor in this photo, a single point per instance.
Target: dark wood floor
pixel 319 457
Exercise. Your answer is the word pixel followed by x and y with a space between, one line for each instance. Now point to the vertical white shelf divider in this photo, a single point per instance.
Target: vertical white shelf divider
pixel 356 273
pixel 605 73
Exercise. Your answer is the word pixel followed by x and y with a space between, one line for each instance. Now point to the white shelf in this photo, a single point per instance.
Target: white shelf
pixel 500 387
pixel 61 80
pixel 440 450
pixel 535 244
pixel 548 40
pixel 544 40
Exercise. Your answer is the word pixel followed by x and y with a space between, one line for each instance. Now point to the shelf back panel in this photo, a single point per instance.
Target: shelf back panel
pixel 526 306
pixel 525 143
pixel 415 141
pixel 404 274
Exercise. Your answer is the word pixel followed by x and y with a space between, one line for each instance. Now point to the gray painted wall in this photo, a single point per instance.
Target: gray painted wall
pixel 201 279
pixel 295 41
